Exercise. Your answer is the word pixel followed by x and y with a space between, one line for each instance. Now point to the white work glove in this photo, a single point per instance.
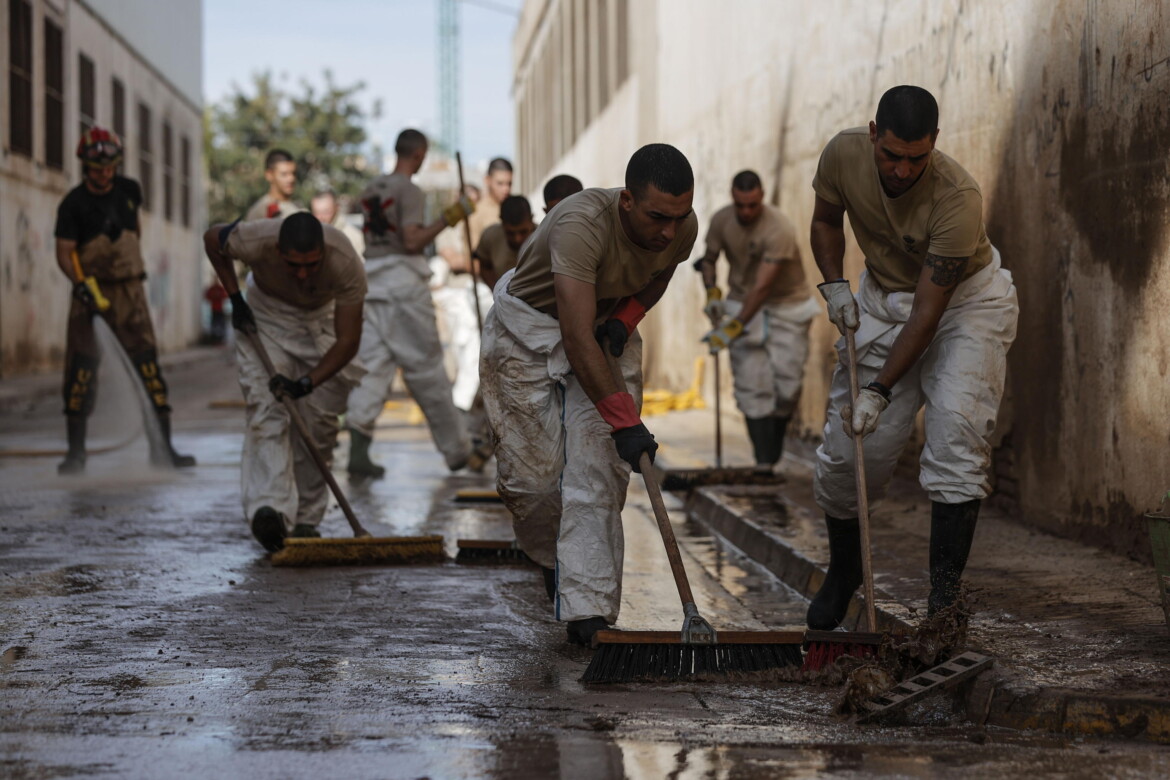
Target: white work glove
pixel 861 419
pixel 842 304
pixel 716 308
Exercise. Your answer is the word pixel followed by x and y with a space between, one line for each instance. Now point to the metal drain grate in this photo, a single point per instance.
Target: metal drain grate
pixel 923 684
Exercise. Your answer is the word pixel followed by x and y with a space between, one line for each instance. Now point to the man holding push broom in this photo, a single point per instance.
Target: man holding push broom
pixel 304 303
pixel 934 319
pixel 568 435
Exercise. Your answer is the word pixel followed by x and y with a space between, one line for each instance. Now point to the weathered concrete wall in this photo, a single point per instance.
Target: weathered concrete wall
pixel 34 295
pixel 1057 108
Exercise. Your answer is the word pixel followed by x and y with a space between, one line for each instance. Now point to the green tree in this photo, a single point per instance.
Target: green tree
pixel 323 129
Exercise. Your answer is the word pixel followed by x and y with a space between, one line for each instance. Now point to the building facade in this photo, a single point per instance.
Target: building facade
pixel 134 66
pixel 1057 109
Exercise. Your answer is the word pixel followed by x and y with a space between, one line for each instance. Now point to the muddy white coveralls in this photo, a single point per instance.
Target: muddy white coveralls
pixel 276 469
pixel 960 379
pixel 458 310
pixel 558 470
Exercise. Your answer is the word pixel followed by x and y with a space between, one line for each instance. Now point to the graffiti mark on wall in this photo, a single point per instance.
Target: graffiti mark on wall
pixel 159 289
pixel 26 246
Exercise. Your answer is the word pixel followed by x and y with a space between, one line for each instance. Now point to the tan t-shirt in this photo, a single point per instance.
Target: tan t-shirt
pixel 340 277
pixel 493 249
pixel 583 239
pixel 487 213
pixel 941 214
pixel 390 203
pixel 269 207
pixel 771 237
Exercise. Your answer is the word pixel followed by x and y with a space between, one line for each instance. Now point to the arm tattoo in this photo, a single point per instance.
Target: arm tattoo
pixel 946 271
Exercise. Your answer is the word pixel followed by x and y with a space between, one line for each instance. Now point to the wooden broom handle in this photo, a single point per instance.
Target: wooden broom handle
pixel 470 249
pixel 299 423
pixel 862 494
pixel 655 492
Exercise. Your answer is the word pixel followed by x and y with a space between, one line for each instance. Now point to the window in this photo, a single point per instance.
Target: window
pixel 86 108
pixel 145 157
pixel 185 181
pixel 168 150
pixel 54 96
pixel 20 108
pixel 118 91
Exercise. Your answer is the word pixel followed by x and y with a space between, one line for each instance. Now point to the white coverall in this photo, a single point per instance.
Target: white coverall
pixel 399 330
pixel 458 307
pixel 960 378
pixel 767 361
pixel 277 469
pixel 558 469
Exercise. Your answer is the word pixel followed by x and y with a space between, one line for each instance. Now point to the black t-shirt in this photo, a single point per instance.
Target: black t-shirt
pixel 83 215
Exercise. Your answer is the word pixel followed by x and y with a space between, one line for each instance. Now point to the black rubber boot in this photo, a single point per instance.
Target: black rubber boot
pixel 829 606
pixel 74 462
pixel 269 528
pixel 762 431
pixel 952 527
pixel 581 631
pixel 360 464
pixel 779 430
pixel 550 583
pixel 169 457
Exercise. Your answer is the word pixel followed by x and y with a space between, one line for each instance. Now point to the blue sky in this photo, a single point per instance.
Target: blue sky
pixel 392 45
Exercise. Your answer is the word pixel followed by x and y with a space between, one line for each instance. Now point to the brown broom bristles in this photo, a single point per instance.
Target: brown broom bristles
pixel 366 550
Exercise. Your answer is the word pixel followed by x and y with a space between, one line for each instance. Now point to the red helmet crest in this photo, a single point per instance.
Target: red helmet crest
pixel 99 147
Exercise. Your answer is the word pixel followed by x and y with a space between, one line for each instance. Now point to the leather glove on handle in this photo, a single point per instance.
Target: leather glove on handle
pixel 281 386
pixel 629 434
pixel 842 305
pixel 620 326
pixel 84 295
pixel 715 309
pixel 861 419
pixel 722 336
pixel 242 317
pixel 458 211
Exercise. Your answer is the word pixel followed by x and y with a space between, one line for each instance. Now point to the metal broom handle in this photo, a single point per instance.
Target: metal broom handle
pixel 862 493
pixel 470 249
pixel 299 423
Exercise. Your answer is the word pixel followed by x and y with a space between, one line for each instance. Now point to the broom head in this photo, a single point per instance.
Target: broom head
pixel 360 551
pixel 823 648
pixel 473 551
pixel 655 656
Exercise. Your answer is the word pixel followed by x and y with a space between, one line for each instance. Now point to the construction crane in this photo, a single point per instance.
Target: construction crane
pixel 449 61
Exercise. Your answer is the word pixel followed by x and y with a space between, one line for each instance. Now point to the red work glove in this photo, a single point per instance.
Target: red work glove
pixel 629 434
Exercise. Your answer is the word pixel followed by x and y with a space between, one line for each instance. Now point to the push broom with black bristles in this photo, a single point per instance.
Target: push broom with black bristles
pixel 824 648
pixel 364 548
pixel 696 651
pixel 491 551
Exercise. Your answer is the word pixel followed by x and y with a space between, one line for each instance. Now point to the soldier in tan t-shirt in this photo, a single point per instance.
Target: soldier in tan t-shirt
pixel 497 249
pixel 400 329
pixel 280 171
pixel 567 435
pixel 770 309
pixel 937 315
pixel 304 301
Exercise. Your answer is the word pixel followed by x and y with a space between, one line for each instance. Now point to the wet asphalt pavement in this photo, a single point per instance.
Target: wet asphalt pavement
pixel 145 634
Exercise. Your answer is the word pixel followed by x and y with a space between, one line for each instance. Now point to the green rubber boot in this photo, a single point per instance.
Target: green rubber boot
pixel 360 464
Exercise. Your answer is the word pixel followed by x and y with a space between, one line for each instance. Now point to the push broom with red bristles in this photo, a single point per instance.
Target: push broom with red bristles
pixel 824 648
pixel 696 651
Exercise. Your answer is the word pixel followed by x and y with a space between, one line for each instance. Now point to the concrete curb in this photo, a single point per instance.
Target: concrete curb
pixel 996 697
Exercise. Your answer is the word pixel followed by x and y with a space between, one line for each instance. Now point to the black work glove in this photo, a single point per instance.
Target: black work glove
pixel 632 442
pixel 281 386
pixel 615 331
pixel 242 319
pixel 83 294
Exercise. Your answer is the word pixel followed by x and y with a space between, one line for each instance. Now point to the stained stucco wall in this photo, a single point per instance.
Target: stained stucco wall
pixel 1059 110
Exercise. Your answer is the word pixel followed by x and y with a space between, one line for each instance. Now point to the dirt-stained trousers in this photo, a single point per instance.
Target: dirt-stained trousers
pixel 399 330
pixel 767 361
pixel 959 379
pixel 277 469
pixel 558 471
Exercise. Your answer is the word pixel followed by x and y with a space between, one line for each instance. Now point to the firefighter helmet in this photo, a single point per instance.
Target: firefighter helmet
pixel 99 147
